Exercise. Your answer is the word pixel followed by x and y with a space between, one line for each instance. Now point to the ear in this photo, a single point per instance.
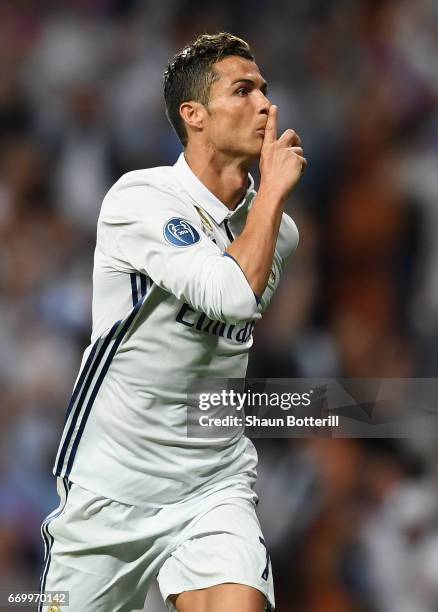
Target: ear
pixel 193 114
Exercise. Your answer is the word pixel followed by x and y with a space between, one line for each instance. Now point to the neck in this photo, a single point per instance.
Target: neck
pixel 226 178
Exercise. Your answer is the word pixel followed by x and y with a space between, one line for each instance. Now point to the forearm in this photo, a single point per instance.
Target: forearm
pixel 254 248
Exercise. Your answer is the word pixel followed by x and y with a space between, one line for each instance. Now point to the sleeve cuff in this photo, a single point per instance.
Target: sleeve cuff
pixel 257 299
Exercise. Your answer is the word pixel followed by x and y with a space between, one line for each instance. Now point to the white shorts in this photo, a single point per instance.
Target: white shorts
pixel 106 554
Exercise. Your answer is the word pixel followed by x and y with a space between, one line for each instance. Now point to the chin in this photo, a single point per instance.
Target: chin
pixel 247 158
pixel 253 152
pixel 249 154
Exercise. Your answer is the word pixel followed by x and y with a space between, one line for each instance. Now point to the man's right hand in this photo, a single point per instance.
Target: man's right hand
pixel 281 165
pixel 282 161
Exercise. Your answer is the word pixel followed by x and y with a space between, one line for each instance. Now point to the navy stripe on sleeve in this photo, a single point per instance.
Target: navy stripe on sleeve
pixel 143 284
pixel 134 288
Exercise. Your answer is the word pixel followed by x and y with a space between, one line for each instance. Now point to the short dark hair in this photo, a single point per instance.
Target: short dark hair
pixel 190 75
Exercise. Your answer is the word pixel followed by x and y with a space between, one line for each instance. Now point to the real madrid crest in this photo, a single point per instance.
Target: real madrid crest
pixel 207 225
pixel 272 278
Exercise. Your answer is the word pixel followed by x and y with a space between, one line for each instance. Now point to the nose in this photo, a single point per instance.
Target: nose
pixel 264 104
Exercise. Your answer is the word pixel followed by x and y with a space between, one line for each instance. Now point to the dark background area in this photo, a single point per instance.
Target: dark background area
pixel 351 524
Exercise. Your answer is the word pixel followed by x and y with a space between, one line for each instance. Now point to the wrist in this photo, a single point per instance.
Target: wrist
pixel 271 193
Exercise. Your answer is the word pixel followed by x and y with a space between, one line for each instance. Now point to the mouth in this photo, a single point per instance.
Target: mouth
pixel 260 131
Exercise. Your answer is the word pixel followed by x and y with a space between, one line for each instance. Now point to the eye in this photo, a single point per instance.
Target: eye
pixel 242 91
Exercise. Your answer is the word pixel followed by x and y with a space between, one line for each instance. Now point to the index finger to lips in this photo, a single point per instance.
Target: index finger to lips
pixel 271 124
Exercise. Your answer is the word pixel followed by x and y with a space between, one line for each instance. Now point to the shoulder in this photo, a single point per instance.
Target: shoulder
pixel 141 192
pixel 160 178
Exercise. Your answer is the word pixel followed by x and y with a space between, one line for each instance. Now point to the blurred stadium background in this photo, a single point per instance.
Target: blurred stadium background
pixel 351 524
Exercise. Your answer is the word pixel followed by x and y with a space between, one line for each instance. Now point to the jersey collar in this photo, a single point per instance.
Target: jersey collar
pixel 203 197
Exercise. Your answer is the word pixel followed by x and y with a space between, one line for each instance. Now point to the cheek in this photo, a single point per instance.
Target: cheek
pixel 228 121
pixel 229 112
pixel 224 127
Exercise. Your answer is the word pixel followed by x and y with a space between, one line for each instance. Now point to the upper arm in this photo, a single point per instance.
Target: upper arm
pixel 146 229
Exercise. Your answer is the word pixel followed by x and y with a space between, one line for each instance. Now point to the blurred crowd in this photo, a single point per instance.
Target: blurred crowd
pixel 352 525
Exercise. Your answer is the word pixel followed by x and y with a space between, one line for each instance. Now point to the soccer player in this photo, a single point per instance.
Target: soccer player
pixel 187 259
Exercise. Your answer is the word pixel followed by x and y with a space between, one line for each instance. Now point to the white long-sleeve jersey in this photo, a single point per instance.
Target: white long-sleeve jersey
pixel 168 309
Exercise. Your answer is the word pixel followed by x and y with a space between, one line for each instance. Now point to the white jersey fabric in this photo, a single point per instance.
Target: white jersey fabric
pixel 168 309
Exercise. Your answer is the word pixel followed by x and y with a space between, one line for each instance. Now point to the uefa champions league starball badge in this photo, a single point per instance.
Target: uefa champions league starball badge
pixel 180 233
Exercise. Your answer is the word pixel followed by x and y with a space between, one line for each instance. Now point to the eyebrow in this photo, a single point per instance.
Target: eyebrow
pixel 263 88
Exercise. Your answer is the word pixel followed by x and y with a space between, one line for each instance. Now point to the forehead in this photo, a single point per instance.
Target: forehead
pixel 233 68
